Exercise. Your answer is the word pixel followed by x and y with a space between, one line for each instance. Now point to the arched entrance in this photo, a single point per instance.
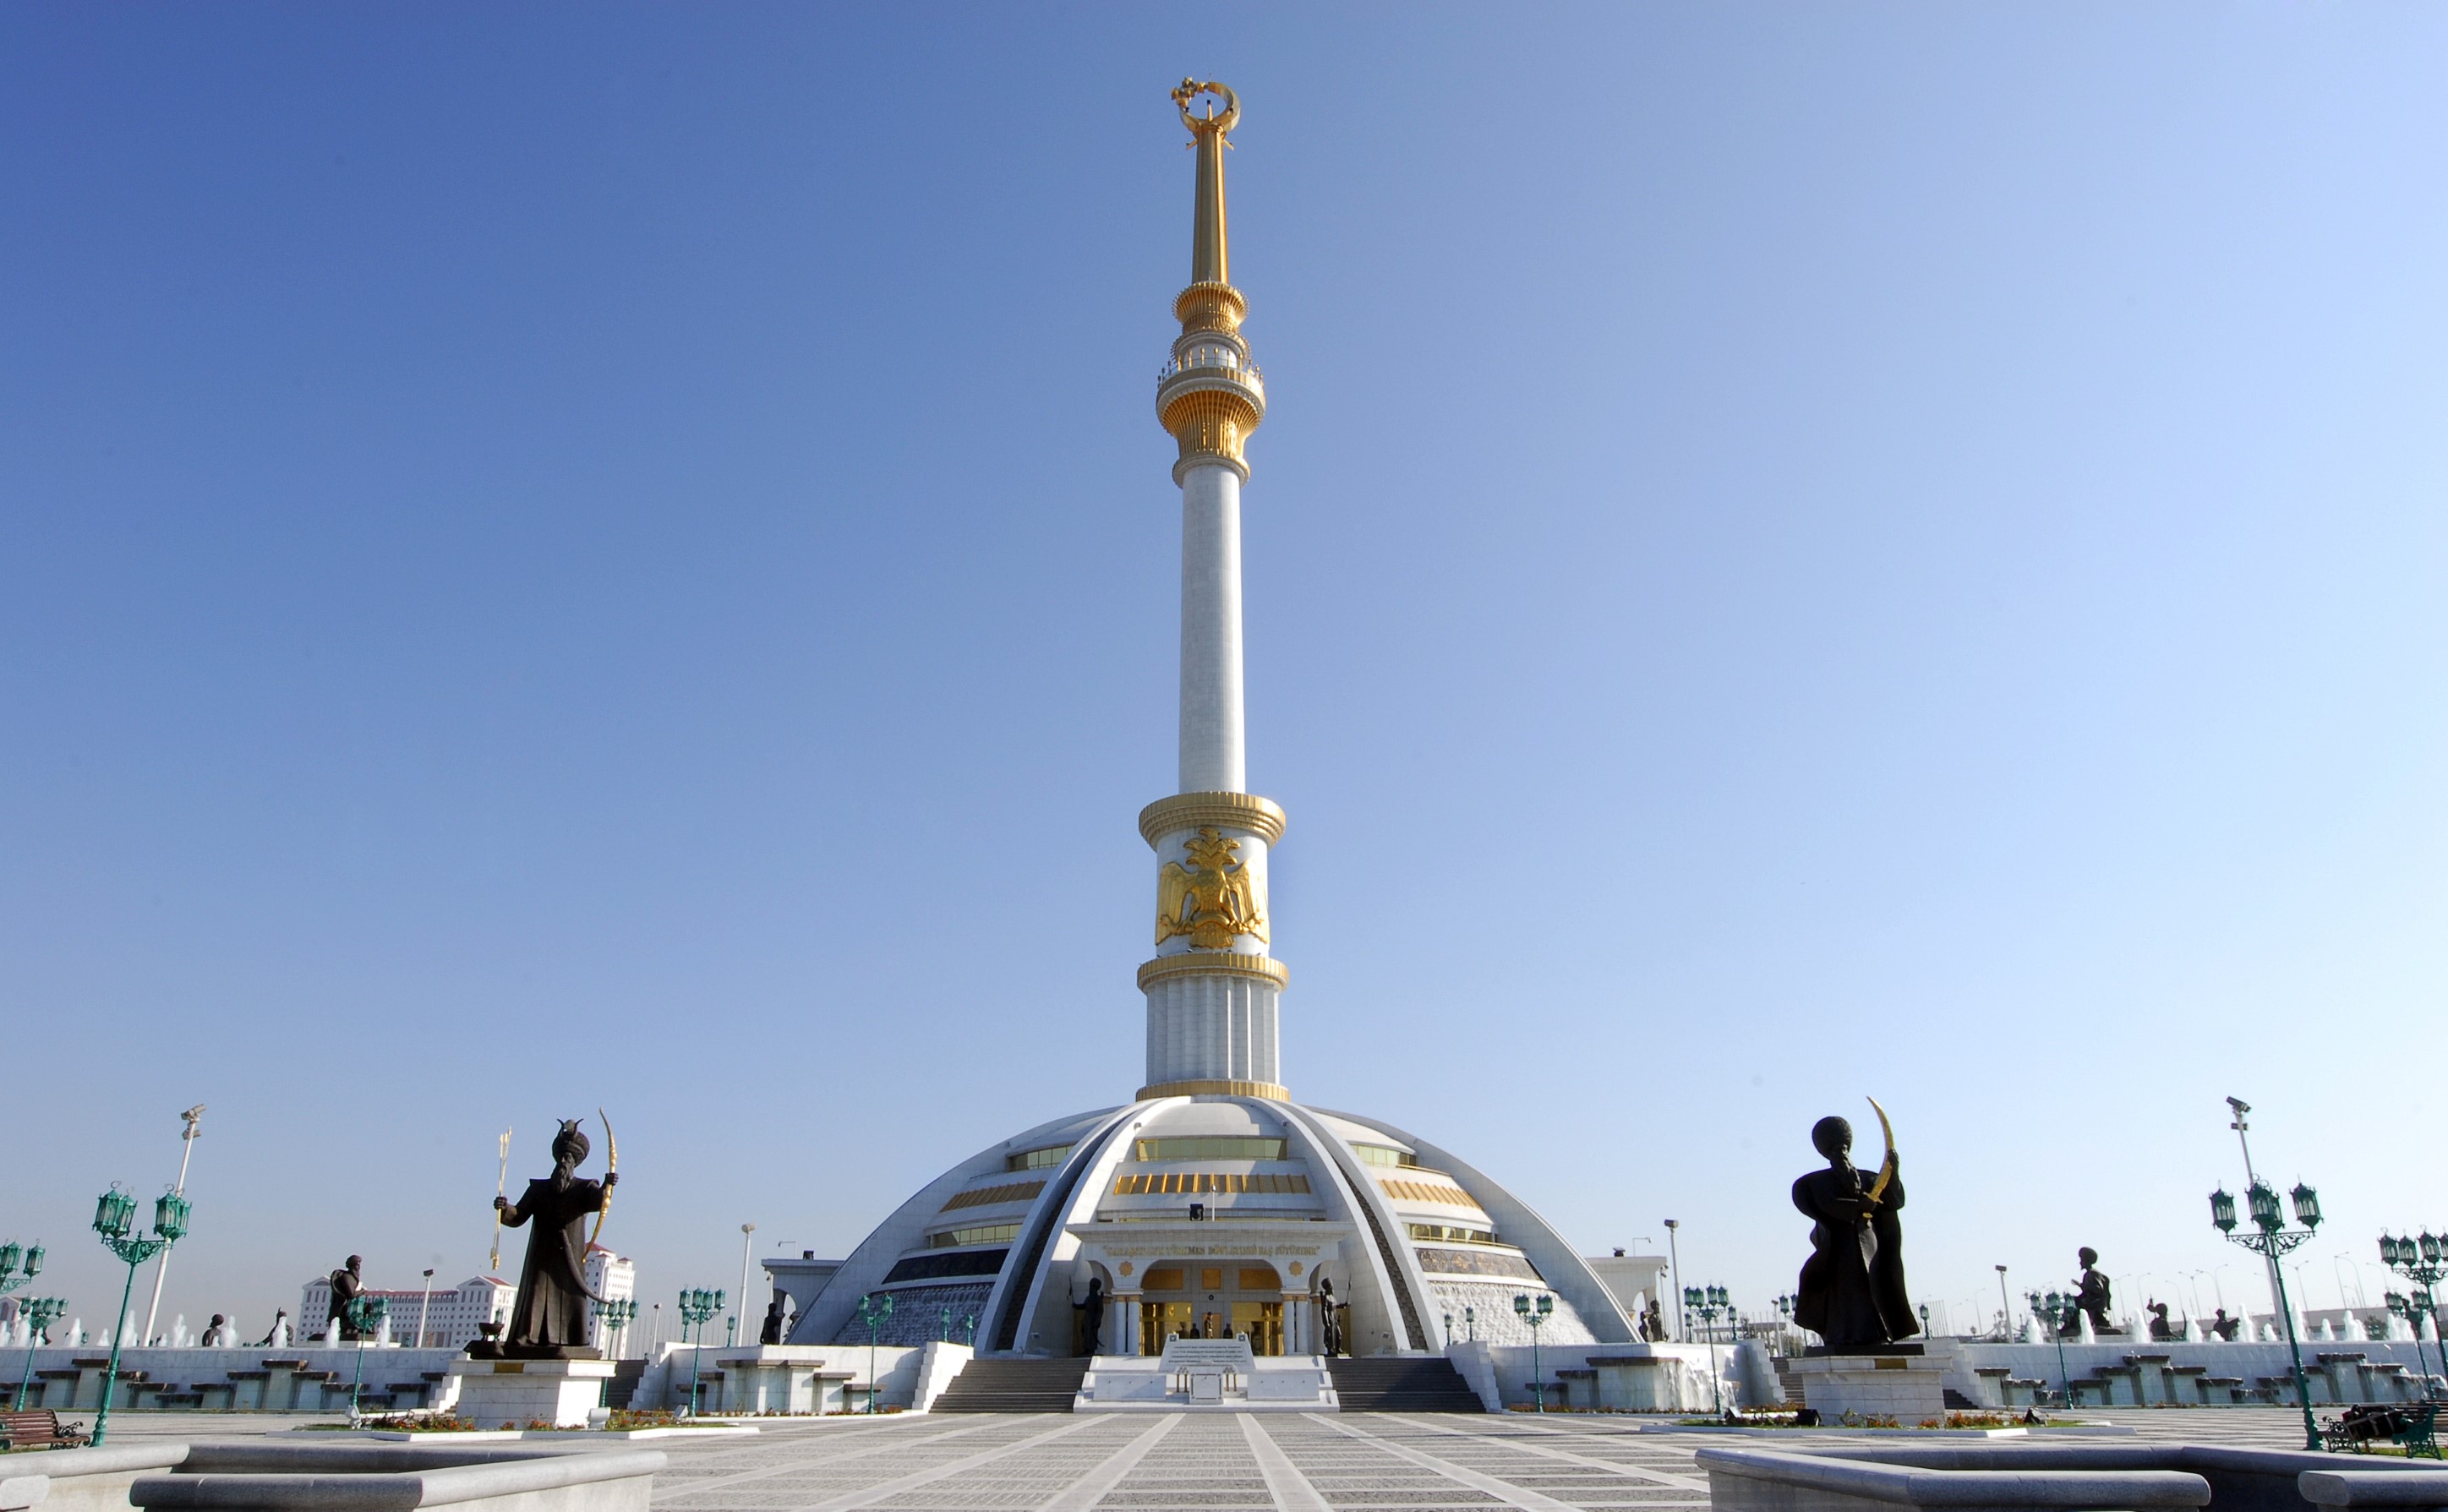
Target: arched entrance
pixel 1212 1300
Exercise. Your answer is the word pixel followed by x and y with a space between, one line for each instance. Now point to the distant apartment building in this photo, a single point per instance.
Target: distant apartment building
pixel 454 1318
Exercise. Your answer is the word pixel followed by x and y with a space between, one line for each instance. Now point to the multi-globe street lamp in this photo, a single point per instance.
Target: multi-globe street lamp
pixel 2418 1260
pixel 612 1319
pixel 366 1317
pixel 2057 1307
pixel 874 1309
pixel 1709 1302
pixel 39 1313
pixel 114 1217
pixel 19 1265
pixel 697 1307
pixel 1534 1314
pixel 2272 1241
pixel 2414 1309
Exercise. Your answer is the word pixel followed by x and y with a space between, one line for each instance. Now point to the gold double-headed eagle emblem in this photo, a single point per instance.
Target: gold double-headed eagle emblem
pixel 1214 898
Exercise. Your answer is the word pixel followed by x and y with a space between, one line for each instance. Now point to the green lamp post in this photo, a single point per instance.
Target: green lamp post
pixel 874 1309
pixel 612 1320
pixel 2418 1261
pixel 2057 1307
pixel 2270 1238
pixel 697 1307
pixel 114 1217
pixel 1709 1302
pixel 19 1265
pixel 2272 1241
pixel 364 1316
pixel 39 1313
pixel 1535 1315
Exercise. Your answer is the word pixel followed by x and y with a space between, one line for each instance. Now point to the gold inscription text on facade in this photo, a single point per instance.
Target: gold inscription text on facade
pixel 1213 899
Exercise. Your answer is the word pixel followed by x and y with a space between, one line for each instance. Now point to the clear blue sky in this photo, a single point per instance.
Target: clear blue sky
pixel 567 555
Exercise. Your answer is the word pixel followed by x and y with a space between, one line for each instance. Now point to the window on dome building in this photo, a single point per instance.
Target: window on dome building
pixel 981 1233
pixel 1037 1160
pixel 1383 1154
pixel 1209 1147
pixel 1450 1235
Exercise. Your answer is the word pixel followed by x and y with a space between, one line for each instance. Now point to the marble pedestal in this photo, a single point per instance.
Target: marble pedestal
pixel 491 1393
pixel 1909 1388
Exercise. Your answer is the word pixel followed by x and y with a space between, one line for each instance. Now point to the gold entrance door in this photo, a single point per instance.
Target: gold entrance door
pixel 1263 1322
pixel 1158 1319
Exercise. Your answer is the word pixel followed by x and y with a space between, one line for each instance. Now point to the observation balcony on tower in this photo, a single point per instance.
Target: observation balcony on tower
pixel 1208 365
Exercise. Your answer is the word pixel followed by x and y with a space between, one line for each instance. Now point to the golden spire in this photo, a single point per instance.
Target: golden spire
pixel 1210 253
pixel 1210 396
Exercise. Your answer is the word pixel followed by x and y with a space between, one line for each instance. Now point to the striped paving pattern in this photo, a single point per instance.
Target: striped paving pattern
pixel 1356 1461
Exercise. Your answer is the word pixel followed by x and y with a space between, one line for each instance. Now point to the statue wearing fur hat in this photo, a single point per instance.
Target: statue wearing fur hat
pixel 550 1320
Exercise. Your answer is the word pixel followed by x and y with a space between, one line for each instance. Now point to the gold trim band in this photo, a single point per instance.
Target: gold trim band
pixel 1215 964
pixel 1225 811
pixel 1216 1089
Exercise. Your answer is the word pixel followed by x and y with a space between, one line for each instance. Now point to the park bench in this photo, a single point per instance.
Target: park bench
pixel 37 1430
pixel 2411 1426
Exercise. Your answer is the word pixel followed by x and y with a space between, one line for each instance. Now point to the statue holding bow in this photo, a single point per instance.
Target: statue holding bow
pixel 550 1319
pixel 1852 1292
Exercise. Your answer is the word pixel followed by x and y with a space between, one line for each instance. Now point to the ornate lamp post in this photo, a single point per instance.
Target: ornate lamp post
pixel 39 1313
pixel 365 1315
pixel 2272 1239
pixel 874 1309
pixel 613 1319
pixel 697 1307
pixel 1469 1324
pixel 114 1216
pixel 2418 1261
pixel 1535 1315
pixel 19 1265
pixel 1709 1302
pixel 2057 1307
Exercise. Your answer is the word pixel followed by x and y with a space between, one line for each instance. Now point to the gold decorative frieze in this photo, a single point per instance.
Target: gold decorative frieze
pixel 1212 964
pixel 987 1196
pixel 1224 811
pixel 1215 899
pixel 1445 1193
pixel 1214 1088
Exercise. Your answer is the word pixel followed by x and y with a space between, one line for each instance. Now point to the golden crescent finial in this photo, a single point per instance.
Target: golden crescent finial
pixel 1189 89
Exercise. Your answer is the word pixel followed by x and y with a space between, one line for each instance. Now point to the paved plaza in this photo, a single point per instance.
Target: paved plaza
pixel 1179 1462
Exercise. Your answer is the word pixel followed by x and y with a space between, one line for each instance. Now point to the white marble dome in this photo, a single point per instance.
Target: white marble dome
pixel 1407 1234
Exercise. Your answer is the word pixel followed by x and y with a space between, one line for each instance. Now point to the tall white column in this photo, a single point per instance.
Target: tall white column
pixel 1212 986
pixel 1212 750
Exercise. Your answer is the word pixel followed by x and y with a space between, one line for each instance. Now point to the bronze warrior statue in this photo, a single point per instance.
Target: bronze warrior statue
pixel 2090 1295
pixel 348 1284
pixel 1852 1290
pixel 550 1319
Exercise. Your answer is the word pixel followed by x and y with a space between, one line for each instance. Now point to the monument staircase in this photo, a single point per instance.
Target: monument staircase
pixel 1014 1385
pixel 1396 1383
